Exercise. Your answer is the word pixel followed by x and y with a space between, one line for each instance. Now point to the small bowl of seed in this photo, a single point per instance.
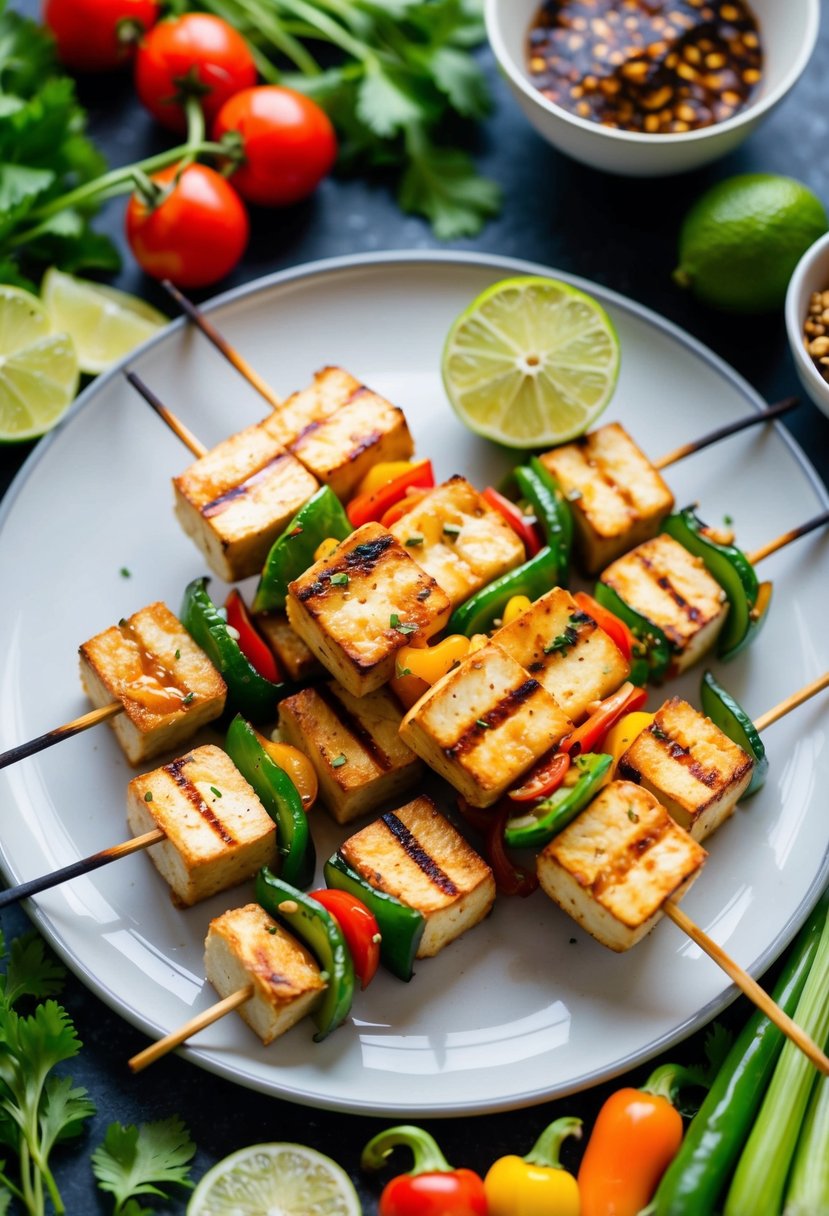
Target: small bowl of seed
pixel 649 89
pixel 807 321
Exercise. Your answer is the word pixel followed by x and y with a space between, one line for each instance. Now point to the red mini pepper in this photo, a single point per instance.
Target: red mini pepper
pixel 366 508
pixel 359 927
pixel 252 646
pixel 432 1187
pixel 636 1135
pixel 522 525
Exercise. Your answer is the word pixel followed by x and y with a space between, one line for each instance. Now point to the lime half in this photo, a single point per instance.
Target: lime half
pixel 531 362
pixel 38 368
pixel 275 1180
pixel 105 324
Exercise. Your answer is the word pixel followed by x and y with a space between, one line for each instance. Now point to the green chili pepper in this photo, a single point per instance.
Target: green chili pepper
pixel 477 614
pixel 732 570
pixel 715 1137
pixel 538 487
pixel 323 937
pixel 401 927
pixel 281 800
pixel 248 691
pixel 293 552
pixel 653 660
pixel 725 712
pixel 540 823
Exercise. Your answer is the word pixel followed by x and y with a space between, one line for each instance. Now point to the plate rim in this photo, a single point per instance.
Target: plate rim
pixel 204 1057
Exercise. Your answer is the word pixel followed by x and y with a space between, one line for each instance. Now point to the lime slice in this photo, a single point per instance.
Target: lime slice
pixel 38 368
pixel 105 324
pixel 275 1180
pixel 531 362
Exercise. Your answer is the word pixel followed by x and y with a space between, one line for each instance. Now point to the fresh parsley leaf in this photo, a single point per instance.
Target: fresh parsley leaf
pixel 443 185
pixel 462 81
pixel 136 1161
pixel 30 970
pixel 385 102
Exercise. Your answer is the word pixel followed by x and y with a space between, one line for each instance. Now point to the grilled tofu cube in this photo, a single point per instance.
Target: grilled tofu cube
pixel 566 651
pixel 292 655
pixel 416 855
pixel 618 498
pixel 614 866
pixel 693 768
pixel 331 388
pixel 354 745
pixel 218 833
pixel 671 587
pixel 234 501
pixel 165 682
pixel 341 449
pixel 246 946
pixel 455 536
pixel 356 608
pixel 483 724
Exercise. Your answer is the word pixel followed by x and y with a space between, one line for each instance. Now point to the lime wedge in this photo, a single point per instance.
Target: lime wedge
pixel 275 1180
pixel 104 323
pixel 38 368
pixel 531 362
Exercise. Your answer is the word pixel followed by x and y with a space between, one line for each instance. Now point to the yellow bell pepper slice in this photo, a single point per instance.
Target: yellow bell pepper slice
pixel 619 738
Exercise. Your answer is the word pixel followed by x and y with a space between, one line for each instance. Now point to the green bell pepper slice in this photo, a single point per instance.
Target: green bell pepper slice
pixel 401 927
pixel 293 552
pixel 532 579
pixel 725 712
pixel 541 822
pixel 731 569
pixel 315 926
pixel 280 798
pixel 653 657
pixel 248 691
pixel 551 510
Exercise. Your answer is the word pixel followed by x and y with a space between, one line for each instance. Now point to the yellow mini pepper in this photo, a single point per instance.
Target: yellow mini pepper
pixel 535 1185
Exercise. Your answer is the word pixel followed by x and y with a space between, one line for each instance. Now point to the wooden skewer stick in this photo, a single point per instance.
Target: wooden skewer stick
pixel 83 866
pixel 176 1037
pixel 222 345
pixel 731 428
pixel 779 542
pixel 792 702
pixel 757 995
pixel 60 732
pixel 175 424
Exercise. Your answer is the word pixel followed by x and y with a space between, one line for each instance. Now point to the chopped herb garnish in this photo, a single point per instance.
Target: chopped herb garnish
pixel 482 723
pixel 213 790
pixel 403 671
pixel 728 520
pixel 659 734
pixel 412 541
pixel 563 642
pixel 125 573
pixel 338 761
pixel 189 699
pixel 339 580
pixel 401 626
pixel 178 654
pixel 273 930
pixel 632 816
pixel 452 530
pixel 148 797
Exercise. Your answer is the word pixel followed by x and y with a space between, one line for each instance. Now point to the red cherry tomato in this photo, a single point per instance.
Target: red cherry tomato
pixel 544 779
pixel 196 235
pixel 289 143
pixel 98 35
pixel 360 929
pixel 195 54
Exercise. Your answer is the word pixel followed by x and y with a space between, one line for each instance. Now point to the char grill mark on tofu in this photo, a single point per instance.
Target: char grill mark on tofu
pixel 355 728
pixel 359 561
pixel 176 770
pixel 493 718
pixel 420 856
pixel 304 410
pixel 223 501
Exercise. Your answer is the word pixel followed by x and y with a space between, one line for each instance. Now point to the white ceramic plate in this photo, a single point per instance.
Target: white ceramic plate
pixel 526 1007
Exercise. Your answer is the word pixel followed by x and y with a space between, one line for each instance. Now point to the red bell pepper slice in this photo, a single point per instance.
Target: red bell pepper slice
pixel 588 736
pixel 510 878
pixel 252 646
pixel 524 527
pixel 544 779
pixel 368 508
pixel 616 629
pixel 359 928
pixel 401 508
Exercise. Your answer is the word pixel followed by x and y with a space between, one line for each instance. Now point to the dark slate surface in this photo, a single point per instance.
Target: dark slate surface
pixel 616 231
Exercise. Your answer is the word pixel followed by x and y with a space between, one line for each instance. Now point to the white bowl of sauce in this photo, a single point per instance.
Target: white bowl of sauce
pixel 619 69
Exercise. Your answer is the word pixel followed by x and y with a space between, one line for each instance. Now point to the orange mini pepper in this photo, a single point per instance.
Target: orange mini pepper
pixel 636 1135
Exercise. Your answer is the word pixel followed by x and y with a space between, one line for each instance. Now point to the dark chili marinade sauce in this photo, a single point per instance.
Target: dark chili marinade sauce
pixel 645 65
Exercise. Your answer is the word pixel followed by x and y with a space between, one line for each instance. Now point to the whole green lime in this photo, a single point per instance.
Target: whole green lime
pixel 742 239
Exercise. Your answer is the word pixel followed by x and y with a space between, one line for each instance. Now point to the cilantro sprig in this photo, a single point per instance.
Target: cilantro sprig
pixel 134 1161
pixel 395 77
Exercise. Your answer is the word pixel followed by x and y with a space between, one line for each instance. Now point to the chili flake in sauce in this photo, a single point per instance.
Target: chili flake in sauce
pixel 656 66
